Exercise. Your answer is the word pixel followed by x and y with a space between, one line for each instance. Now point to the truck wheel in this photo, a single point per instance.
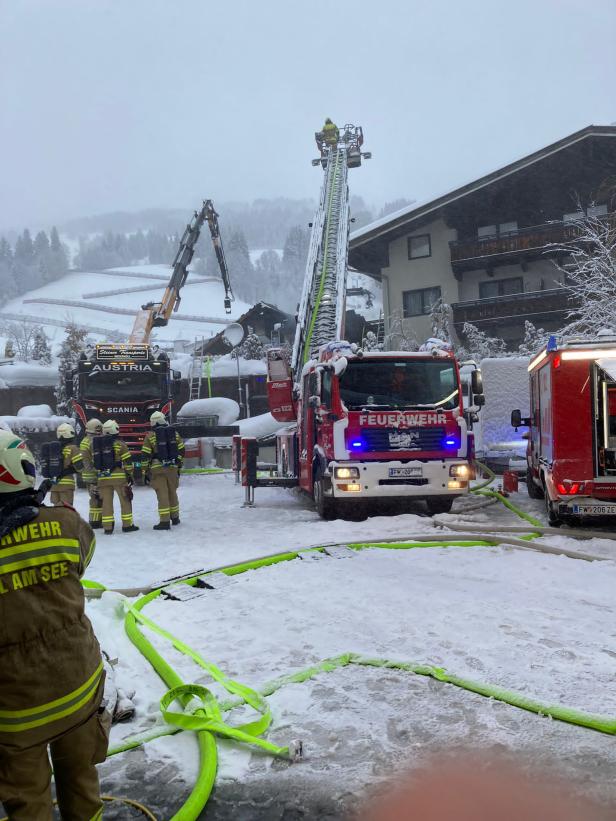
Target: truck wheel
pixel 554 519
pixel 534 491
pixel 325 506
pixel 439 504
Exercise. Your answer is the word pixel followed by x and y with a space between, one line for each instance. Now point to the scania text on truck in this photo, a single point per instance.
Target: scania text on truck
pixel 377 425
pixel 571 451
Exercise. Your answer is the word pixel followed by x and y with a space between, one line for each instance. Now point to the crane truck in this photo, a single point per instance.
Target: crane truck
pixel 129 381
pixel 363 425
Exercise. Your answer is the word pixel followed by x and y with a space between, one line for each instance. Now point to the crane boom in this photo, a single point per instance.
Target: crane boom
pixel 157 314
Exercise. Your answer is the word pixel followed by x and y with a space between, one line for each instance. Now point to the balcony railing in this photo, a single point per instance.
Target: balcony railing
pixel 525 243
pixel 539 306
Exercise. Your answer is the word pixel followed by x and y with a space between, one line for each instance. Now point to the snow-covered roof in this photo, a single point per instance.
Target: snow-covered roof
pixel 432 203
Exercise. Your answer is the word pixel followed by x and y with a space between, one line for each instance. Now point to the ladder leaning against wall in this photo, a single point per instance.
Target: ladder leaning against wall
pixel 196 370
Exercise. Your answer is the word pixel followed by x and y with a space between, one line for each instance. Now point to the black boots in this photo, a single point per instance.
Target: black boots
pixel 175 521
pixel 96 525
pixel 130 529
pixel 162 526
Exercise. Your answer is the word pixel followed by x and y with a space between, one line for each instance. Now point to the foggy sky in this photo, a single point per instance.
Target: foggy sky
pixel 125 104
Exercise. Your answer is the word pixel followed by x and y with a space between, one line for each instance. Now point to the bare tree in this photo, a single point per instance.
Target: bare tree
pixel 400 337
pixel 590 275
pixel 22 335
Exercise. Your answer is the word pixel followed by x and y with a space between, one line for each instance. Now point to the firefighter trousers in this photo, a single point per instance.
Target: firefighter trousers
pixel 25 776
pixel 106 489
pixel 96 505
pixel 60 495
pixel 165 482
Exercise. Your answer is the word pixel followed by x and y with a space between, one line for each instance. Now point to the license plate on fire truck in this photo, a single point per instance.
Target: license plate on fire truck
pixel 404 473
pixel 595 510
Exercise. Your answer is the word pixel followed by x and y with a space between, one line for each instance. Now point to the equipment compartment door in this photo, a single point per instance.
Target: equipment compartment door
pixel 546 434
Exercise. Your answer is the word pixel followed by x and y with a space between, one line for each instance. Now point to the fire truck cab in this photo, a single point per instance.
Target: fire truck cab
pixel 571 452
pixel 376 425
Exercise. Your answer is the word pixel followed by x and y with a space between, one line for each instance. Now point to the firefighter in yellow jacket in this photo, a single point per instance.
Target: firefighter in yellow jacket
pixel 94 427
pixel 52 678
pixel 162 456
pixel 72 462
pixel 116 476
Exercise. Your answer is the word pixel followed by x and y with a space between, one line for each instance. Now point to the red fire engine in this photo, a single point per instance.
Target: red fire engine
pixel 571 454
pixel 374 425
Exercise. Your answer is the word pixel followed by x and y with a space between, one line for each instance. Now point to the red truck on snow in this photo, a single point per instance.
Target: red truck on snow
pixel 374 425
pixel 571 453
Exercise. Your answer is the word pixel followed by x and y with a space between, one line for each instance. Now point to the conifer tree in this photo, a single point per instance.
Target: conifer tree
pixel 72 345
pixel 41 352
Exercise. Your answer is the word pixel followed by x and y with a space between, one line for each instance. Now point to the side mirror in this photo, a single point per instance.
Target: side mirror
pixel 68 385
pixel 476 382
pixel 175 388
pixel 479 399
pixel 517 420
pixel 314 402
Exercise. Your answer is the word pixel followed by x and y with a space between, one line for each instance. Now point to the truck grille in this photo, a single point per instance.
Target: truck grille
pixel 386 439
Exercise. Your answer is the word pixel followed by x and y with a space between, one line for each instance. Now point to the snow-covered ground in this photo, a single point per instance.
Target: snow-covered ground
pixel 204 299
pixel 540 624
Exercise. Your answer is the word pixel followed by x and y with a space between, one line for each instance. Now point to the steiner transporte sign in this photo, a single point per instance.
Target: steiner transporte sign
pixel 122 353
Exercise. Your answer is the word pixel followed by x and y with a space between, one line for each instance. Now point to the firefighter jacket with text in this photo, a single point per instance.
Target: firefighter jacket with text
pixel 51 677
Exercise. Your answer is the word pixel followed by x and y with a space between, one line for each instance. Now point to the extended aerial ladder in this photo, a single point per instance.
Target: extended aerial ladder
pixel 320 317
pixel 157 314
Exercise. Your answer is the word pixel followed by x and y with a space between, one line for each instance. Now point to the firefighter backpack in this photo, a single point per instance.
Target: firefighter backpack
pixel 52 463
pixel 166 445
pixel 103 453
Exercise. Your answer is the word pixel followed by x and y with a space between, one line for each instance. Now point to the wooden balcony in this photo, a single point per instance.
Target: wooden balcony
pixel 540 307
pixel 518 246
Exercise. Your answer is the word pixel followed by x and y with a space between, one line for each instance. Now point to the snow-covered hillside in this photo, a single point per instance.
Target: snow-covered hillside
pixel 77 297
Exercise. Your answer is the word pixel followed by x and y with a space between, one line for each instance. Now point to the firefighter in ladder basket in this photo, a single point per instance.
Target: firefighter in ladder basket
pixel 162 456
pixel 94 427
pixel 114 471
pixel 51 686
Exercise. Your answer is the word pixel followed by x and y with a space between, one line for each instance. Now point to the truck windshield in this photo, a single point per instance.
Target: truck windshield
pixel 390 383
pixel 136 386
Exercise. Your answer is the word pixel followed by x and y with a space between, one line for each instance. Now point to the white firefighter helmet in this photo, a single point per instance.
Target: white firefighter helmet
pixel 158 418
pixel 94 426
pixel 65 431
pixel 111 427
pixel 17 466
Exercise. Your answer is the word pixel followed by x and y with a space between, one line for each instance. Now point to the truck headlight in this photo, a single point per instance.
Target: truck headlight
pixel 346 473
pixel 459 471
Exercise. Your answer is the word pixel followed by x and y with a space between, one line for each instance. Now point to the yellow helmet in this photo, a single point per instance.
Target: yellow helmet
pixel 111 427
pixel 158 418
pixel 94 426
pixel 65 431
pixel 17 465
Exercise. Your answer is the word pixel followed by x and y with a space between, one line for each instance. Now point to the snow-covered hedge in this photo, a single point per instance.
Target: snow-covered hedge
pixel 32 424
pixel 35 412
pixel 227 410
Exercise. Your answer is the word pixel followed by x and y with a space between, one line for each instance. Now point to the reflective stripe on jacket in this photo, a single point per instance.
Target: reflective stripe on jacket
pixel 52 672
pixel 149 449
pixel 123 464
pixel 72 457
pixel 88 474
